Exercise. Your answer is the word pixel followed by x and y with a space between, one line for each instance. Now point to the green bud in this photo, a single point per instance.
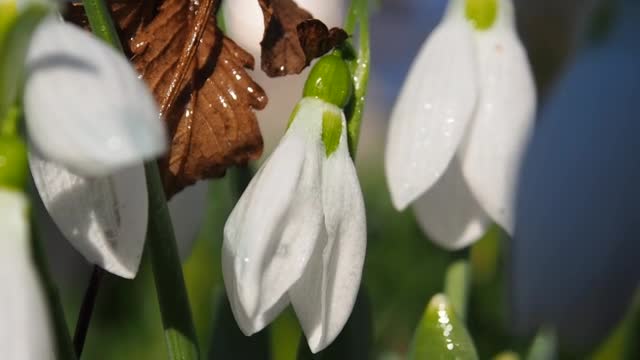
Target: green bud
pixel 441 335
pixel 331 130
pixel 13 162
pixel 482 13
pixel 330 80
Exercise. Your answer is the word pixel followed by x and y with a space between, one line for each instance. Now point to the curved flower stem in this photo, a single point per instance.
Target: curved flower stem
pixel 101 23
pixel 179 331
pixel 358 11
pixel 86 310
pixel 456 286
pixel 180 334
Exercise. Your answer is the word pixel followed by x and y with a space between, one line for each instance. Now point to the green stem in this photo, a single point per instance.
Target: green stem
pixel 179 330
pixel 456 286
pixel 359 11
pixel 178 325
pixel 101 23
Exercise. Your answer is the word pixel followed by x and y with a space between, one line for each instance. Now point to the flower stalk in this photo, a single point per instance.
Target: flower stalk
pixel 456 286
pixel 172 295
pixel 359 66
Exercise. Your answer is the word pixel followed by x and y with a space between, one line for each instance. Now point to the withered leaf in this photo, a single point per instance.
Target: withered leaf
pixel 292 38
pixel 199 78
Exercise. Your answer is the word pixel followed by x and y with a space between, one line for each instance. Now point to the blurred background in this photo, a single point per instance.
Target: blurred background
pixel 403 269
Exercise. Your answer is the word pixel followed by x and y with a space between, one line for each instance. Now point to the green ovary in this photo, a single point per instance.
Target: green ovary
pixel 482 13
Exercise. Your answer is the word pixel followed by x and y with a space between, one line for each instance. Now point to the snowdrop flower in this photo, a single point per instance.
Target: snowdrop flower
pixel 85 107
pixel 460 123
pixel 26 332
pixel 298 234
pixel 91 122
pixel 578 197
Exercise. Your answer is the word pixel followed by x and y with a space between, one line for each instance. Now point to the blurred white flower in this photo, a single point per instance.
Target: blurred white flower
pixel 26 332
pixel 85 106
pixel 298 233
pixel 575 251
pixel 460 123
pixel 92 122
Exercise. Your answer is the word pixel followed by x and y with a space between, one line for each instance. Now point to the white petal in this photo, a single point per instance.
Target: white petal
pixel 324 296
pixel 449 214
pixel 577 203
pixel 187 209
pixel 26 332
pixel 503 121
pixel 432 112
pixel 84 104
pixel 104 218
pixel 272 231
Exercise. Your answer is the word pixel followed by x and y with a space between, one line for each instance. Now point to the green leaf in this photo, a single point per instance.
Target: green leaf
pixel 441 335
pixel 354 342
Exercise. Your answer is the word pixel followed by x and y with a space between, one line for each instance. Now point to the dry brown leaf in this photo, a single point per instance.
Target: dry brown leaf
pixel 292 38
pixel 199 78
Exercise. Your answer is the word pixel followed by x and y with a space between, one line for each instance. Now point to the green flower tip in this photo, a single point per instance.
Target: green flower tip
pixel 482 13
pixel 331 131
pixel 441 334
pixel 330 80
pixel 13 162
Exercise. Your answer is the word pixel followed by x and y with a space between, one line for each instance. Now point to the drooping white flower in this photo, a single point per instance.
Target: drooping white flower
pixel 26 331
pixel 298 233
pixel 92 122
pixel 575 251
pixel 460 124
pixel 85 106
